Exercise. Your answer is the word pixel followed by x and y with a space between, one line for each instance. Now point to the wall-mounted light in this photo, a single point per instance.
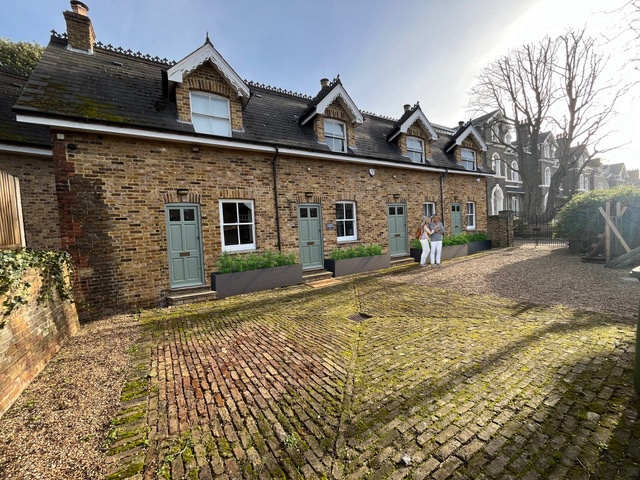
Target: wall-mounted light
pixel 182 192
pixel 308 194
pixel 396 197
pixel 455 198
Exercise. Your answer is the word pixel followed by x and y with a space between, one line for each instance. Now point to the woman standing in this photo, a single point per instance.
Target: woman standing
pixel 437 229
pixel 425 235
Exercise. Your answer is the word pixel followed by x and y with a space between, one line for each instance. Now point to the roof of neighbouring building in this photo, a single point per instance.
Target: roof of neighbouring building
pixel 11 131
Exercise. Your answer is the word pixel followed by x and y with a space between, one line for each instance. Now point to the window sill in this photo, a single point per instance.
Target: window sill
pixel 342 242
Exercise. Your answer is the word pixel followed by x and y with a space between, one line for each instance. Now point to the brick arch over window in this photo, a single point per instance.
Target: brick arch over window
pixel 173 197
pixel 206 79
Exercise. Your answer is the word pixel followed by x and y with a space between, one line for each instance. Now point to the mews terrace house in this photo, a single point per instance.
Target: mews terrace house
pixel 160 167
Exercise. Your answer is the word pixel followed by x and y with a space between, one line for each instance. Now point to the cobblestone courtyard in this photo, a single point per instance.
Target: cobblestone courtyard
pixel 376 378
pixel 407 373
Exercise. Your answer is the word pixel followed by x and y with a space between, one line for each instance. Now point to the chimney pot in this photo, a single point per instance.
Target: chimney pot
pixel 324 82
pixel 407 107
pixel 460 124
pixel 79 7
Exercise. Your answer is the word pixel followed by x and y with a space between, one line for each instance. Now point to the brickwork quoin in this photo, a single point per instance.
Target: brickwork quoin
pixel 118 185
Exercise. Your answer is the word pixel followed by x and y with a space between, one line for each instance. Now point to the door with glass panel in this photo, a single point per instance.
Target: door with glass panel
pixel 397 229
pixel 456 218
pixel 184 245
pixel 310 236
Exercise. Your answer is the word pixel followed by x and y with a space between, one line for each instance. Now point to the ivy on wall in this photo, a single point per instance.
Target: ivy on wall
pixel 53 268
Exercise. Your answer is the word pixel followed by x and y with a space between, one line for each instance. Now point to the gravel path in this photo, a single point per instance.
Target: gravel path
pixel 56 429
pixel 543 275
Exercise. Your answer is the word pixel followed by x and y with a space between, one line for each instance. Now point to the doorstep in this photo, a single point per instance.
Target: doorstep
pixel 190 295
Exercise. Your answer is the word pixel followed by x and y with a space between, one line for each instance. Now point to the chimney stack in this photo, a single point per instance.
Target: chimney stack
pixel 80 34
pixel 324 82
pixel 407 107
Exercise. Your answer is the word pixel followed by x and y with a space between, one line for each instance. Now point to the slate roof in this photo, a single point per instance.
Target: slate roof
pixel 11 131
pixel 114 88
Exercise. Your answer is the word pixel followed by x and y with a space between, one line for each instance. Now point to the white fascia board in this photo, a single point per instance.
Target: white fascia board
pixel 40 152
pixel 203 54
pixel 339 91
pixel 145 134
pixel 419 116
pixel 470 130
pixel 215 142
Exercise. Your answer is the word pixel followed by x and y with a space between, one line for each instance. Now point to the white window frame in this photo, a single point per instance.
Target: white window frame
pixel 239 223
pixel 515 177
pixel 497 167
pixel 466 162
pixel 415 152
pixel 429 209
pixel 332 138
pixel 346 238
pixel 497 200
pixel 471 215
pixel 547 176
pixel 214 117
pixel 515 205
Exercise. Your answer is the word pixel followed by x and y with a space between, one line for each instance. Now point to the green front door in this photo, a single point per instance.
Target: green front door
pixel 310 236
pixel 456 218
pixel 397 228
pixel 185 248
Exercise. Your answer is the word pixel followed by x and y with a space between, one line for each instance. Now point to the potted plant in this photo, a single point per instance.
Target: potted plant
pixel 454 246
pixel 478 242
pixel 415 249
pixel 254 272
pixel 363 258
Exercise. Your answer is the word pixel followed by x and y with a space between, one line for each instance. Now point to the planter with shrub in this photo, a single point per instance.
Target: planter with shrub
pixel 364 258
pixel 251 273
pixel 455 245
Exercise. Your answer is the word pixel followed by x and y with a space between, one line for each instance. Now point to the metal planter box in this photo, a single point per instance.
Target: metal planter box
pixel 228 284
pixel 454 251
pixel 349 266
pixel 475 247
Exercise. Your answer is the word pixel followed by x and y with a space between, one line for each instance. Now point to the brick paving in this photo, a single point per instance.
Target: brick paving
pixel 433 385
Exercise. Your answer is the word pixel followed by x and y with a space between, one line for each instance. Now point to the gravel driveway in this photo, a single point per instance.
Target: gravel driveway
pixel 543 275
pixel 56 429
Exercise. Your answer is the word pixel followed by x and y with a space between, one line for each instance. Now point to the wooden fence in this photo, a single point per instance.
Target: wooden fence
pixel 11 226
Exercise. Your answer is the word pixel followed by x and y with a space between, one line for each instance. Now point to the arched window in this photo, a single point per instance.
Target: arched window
pixel 547 176
pixel 514 172
pixel 497 200
pixel 495 164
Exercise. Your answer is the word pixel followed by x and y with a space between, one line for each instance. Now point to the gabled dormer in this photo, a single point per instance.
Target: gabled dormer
pixel 209 93
pixel 414 134
pixel 334 116
pixel 466 145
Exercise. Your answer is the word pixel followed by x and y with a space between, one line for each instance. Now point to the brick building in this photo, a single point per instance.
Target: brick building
pixel 160 167
pixel 25 154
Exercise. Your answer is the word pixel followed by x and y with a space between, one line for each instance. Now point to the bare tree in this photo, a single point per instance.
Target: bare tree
pixel 555 84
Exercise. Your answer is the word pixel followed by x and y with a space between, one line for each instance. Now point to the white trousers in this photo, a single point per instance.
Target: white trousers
pixel 425 251
pixel 436 251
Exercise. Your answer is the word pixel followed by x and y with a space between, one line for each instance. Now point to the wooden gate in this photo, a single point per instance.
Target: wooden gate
pixel 11 226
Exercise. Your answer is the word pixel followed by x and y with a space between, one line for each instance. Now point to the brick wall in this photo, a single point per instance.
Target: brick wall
pixel 500 229
pixel 38 193
pixel 113 208
pixel 32 335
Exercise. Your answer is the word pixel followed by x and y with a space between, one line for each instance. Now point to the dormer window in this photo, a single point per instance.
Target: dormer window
pixel 415 149
pixel 210 114
pixel 335 135
pixel 468 158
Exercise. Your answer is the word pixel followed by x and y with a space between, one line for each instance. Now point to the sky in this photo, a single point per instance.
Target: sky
pixel 387 53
